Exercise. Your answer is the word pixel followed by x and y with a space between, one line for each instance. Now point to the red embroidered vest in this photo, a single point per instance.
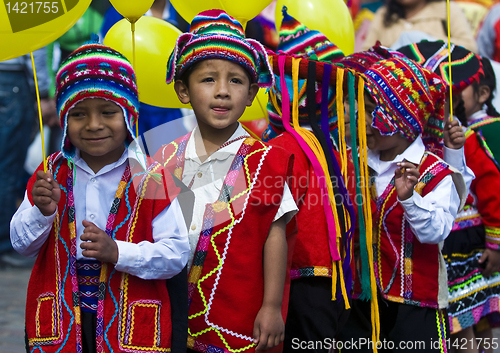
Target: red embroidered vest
pixel 311 256
pixel 406 270
pixel 133 314
pixel 225 282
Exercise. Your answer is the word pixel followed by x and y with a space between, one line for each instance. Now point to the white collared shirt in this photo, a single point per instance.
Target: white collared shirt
pixel 431 217
pixel 94 194
pixel 208 177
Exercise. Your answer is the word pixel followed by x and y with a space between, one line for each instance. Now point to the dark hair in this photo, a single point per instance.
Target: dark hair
pixel 395 11
pixel 459 112
pixel 487 79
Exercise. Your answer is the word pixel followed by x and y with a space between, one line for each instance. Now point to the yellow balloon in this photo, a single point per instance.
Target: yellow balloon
pixel 258 109
pixel 27 26
pixel 243 11
pixel 330 17
pixel 132 10
pixel 154 41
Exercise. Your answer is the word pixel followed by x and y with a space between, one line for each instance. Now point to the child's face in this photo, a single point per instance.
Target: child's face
pixel 219 91
pixel 474 98
pixel 374 140
pixel 97 128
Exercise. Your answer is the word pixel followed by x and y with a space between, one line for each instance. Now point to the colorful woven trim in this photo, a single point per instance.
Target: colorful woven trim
pixel 216 35
pixel 480 122
pixel 96 71
pixel 471 295
pixel 295 38
pixel 315 271
pixel 492 237
pixel 466 67
pixel 410 101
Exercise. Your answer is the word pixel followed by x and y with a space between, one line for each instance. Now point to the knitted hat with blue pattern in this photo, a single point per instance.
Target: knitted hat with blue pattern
pixel 96 71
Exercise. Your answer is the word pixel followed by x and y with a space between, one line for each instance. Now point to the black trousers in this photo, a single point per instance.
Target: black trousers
pixel 403 328
pixel 313 318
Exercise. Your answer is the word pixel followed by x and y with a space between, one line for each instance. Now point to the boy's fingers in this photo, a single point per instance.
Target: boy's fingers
pixel 262 342
pixel 42 183
pixel 43 200
pixel 41 191
pixel 45 176
pixel 89 226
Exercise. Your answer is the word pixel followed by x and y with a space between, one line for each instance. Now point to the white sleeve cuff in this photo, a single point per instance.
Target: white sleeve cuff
pixel 287 208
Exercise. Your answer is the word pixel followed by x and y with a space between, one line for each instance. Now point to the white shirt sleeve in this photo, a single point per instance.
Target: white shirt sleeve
pixel 29 228
pixel 288 207
pixel 164 258
pixel 456 158
pixel 431 217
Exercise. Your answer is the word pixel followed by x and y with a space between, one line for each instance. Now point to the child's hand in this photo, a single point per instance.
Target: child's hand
pixel 46 193
pixel 454 136
pixel 268 328
pixel 492 259
pixel 97 244
pixel 406 177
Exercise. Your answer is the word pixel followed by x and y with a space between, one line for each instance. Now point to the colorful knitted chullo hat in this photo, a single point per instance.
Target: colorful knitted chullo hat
pixel 96 71
pixel 433 56
pixel 216 35
pixel 409 99
pixel 361 61
pixel 295 39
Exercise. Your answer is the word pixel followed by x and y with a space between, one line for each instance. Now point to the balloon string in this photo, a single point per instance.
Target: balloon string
pixel 39 114
pixel 449 60
pixel 63 3
pixel 132 26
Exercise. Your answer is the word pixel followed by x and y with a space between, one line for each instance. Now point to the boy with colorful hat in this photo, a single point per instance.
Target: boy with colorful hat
pixel 105 224
pixel 417 196
pixel 238 260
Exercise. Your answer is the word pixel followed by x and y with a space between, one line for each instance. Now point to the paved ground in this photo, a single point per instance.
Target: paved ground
pixel 12 301
pixel 13 284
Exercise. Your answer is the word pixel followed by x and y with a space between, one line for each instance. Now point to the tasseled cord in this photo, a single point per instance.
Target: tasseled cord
pixel 375 318
pixel 312 148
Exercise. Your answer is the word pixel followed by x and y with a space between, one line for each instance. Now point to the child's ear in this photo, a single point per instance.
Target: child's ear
pixel 484 93
pixel 252 92
pixel 182 91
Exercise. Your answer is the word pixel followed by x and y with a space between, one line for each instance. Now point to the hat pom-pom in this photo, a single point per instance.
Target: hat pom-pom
pixel 94 39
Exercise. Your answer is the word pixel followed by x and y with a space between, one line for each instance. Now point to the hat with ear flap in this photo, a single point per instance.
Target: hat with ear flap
pixel 409 99
pixel 466 67
pixel 216 35
pixel 96 71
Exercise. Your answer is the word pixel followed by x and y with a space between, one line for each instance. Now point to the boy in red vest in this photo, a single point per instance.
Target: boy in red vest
pixel 238 261
pixel 105 225
pixel 417 201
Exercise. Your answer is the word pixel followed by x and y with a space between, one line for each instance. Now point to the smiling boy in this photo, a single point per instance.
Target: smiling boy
pixel 107 231
pixel 238 261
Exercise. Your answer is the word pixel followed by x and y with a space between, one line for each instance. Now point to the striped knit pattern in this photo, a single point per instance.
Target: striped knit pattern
pixel 96 71
pixel 295 38
pixel 433 56
pixel 216 35
pixel 410 101
pixel 361 61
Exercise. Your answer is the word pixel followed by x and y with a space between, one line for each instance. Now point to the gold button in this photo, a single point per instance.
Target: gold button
pixel 199 175
pixel 193 227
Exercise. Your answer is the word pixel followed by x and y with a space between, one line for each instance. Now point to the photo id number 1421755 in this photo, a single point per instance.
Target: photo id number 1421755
pixel 32 7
